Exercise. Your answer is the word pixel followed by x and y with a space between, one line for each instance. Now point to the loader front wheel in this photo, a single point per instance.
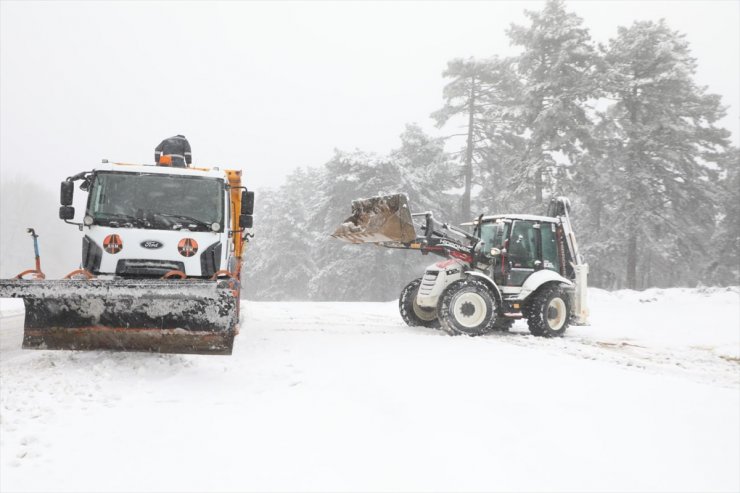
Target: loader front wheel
pixel 467 307
pixel 548 312
pixel 413 314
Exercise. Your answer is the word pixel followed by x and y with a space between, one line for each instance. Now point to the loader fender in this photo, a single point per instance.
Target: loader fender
pixel 538 279
pixel 491 284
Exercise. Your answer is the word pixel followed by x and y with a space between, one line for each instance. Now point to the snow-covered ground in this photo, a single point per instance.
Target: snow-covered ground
pixel 344 396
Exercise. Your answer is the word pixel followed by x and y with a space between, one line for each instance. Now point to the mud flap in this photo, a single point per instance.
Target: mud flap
pixel 163 316
pixel 377 220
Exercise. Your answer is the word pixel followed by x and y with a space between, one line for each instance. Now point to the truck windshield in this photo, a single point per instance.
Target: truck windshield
pixel 155 201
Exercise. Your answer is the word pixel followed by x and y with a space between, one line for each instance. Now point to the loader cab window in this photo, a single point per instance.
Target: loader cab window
pixel 550 257
pixel 155 201
pixel 522 250
pixel 493 234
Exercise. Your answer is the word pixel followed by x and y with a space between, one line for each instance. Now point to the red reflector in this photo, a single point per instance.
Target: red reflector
pixel 187 247
pixel 112 244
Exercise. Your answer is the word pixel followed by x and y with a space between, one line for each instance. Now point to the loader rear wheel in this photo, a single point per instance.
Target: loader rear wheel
pixel 548 312
pixel 413 314
pixel 467 307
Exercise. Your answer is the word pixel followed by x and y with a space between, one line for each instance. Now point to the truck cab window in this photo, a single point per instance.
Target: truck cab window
pixel 156 201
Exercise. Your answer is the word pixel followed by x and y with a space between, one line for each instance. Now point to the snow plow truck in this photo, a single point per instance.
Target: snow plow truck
pixel 161 261
pixel 511 266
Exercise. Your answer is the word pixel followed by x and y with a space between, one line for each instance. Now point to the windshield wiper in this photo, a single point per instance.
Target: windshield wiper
pixel 183 218
pixel 114 217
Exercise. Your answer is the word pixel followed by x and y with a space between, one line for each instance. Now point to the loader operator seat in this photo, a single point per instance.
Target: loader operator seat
pixel 178 150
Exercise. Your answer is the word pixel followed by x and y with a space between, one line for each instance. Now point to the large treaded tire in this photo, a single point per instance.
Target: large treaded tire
pixel 548 312
pixel 467 307
pixel 413 314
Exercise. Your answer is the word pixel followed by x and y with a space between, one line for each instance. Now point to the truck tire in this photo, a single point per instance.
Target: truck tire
pixel 413 314
pixel 467 307
pixel 548 312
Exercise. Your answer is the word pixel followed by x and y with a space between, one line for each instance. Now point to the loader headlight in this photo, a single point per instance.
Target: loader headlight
pixel 187 247
pixel 112 244
pixel 215 226
pixel 88 220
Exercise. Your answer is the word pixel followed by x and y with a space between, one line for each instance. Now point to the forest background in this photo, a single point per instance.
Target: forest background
pixel 622 129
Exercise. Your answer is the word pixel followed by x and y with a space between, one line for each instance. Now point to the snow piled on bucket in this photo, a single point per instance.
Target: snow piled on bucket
pixel 344 396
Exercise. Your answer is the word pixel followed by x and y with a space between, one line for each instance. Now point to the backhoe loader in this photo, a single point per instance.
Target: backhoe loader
pixel 160 266
pixel 510 266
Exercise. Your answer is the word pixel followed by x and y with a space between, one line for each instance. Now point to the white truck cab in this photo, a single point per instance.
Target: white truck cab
pixel 150 221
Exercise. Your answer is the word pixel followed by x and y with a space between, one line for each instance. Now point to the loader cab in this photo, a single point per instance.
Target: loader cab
pixel 518 246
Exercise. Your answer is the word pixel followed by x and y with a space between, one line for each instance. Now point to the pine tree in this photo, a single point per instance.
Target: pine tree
pixel 356 272
pixel 294 256
pixel 664 139
pixel 427 176
pixel 558 69
pixel 724 255
pixel 278 260
pixel 480 92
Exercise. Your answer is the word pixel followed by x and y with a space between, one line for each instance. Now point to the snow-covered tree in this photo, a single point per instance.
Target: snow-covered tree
pixel 664 148
pixel 558 68
pixel 294 256
pixel 724 250
pixel 479 94
pixel 279 264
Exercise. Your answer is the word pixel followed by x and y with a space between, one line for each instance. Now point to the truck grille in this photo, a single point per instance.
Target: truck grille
pixel 147 268
pixel 427 282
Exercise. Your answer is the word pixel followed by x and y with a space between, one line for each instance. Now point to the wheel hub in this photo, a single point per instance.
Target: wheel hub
pixel 556 311
pixel 469 309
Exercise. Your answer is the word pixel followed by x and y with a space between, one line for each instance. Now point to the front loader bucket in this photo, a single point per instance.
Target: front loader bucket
pixel 163 316
pixel 378 220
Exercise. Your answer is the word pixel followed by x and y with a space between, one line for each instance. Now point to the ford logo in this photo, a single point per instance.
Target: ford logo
pixel 152 244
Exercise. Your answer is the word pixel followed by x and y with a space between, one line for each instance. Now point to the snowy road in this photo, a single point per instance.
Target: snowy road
pixel 343 396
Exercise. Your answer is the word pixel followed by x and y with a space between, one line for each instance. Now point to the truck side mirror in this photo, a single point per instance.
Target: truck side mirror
pixel 66 192
pixel 66 212
pixel 245 221
pixel 247 202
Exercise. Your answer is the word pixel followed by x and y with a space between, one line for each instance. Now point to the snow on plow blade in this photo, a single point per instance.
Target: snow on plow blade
pixel 163 316
pixel 377 220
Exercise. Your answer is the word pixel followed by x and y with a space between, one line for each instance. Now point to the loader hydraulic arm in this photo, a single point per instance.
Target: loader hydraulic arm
pixel 440 239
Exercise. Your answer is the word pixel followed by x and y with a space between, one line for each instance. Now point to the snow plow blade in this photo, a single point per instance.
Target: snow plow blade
pixel 378 220
pixel 162 316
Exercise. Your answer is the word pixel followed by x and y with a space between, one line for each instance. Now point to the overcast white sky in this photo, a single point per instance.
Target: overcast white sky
pixel 267 87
